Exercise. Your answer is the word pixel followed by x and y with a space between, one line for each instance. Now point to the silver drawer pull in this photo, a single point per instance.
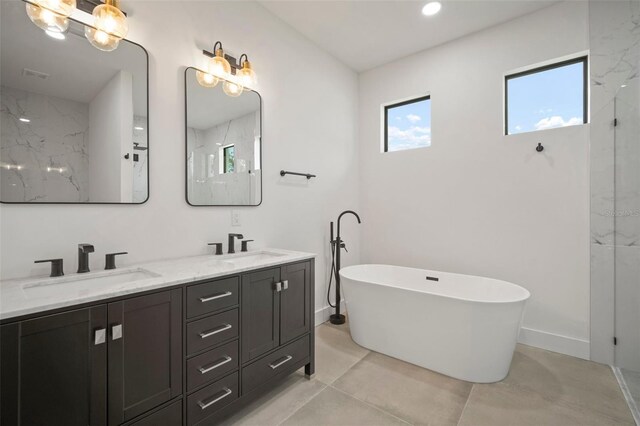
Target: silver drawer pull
pixel 205 405
pixel 116 332
pixel 216 296
pixel 285 360
pixel 100 336
pixel 285 284
pixel 205 370
pixel 206 334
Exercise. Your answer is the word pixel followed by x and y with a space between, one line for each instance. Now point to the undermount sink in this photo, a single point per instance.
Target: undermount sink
pixel 249 259
pixel 85 282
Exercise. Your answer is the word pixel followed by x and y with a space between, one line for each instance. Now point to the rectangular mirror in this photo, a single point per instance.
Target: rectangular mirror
pixel 224 145
pixel 74 119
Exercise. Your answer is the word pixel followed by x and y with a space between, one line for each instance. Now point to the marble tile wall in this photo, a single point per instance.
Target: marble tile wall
pixel 206 184
pixel 45 159
pixel 615 181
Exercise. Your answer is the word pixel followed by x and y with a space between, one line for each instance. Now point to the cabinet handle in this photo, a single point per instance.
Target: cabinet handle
pixel 205 370
pixel 215 296
pixel 209 333
pixel 100 336
pixel 284 361
pixel 116 332
pixel 205 405
pixel 285 284
pixel 277 287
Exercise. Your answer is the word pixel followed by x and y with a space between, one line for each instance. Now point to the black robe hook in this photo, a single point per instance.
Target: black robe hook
pixel 539 148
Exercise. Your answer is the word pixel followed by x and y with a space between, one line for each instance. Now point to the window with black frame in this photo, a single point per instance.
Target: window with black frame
pixel 407 124
pixel 229 159
pixel 547 97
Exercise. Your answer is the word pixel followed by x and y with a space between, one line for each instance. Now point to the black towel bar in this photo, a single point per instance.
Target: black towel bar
pixel 307 175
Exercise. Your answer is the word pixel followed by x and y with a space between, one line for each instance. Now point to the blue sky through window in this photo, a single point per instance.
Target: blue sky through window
pixel 546 99
pixel 409 126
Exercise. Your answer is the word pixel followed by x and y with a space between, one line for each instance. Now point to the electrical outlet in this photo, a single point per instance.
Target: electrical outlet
pixel 235 218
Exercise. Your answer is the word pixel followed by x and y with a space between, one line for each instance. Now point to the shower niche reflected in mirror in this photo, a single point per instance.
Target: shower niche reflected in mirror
pixel 223 145
pixel 74 119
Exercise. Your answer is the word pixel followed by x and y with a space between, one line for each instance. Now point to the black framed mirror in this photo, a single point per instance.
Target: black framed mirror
pixel 74 119
pixel 223 139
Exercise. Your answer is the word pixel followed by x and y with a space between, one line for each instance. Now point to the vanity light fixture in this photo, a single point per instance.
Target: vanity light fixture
pixel 236 75
pixel 431 8
pixel 109 26
pixel 246 76
pixel 51 15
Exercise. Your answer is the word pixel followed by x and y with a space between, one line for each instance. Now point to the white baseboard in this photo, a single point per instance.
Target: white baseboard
pixel 555 342
pixel 322 315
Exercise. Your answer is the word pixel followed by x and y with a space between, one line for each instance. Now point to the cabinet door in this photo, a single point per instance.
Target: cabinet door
pixel 295 301
pixel 145 348
pixel 53 369
pixel 260 313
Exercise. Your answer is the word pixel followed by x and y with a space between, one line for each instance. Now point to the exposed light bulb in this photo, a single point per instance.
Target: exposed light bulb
pixel 24 120
pixel 232 89
pixel 205 79
pixel 109 26
pixel 100 39
pixel 47 19
pixel 219 66
pixel 246 76
pixel 431 8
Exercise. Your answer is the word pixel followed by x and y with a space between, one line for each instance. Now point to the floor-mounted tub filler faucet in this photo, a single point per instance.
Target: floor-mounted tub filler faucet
pixel 336 245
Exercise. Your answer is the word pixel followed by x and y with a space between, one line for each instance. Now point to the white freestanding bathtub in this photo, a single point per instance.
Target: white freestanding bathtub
pixel 460 325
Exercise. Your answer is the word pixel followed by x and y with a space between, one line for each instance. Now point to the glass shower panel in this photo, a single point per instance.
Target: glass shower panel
pixel 627 233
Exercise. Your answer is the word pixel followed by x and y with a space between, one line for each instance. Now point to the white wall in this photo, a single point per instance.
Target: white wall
pixel 309 125
pixel 110 138
pixel 476 201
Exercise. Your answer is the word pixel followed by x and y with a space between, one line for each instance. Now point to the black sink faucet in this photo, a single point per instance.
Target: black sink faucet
pixel 83 257
pixel 232 242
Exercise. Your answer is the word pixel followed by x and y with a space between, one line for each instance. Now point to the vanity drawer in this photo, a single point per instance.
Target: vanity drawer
pixel 207 401
pixel 212 365
pixel 210 331
pixel 268 367
pixel 212 296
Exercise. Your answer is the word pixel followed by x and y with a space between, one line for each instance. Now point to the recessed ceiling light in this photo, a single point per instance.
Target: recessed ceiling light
pixel 623 86
pixel 56 35
pixel 24 120
pixel 138 128
pixel 431 8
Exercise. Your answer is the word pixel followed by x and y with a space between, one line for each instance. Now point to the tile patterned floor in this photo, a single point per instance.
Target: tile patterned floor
pixel 355 386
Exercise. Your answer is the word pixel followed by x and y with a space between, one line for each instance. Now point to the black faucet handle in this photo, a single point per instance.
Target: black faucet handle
pixel 86 248
pixel 57 268
pixel 218 247
pixel 245 244
pixel 110 259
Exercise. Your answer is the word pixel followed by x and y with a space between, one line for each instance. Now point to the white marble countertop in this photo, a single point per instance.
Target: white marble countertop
pixel 38 294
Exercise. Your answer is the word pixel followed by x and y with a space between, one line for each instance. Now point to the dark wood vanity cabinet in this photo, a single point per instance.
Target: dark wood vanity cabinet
pixel 95 366
pixel 53 371
pixel 145 363
pixel 276 308
pixel 154 360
